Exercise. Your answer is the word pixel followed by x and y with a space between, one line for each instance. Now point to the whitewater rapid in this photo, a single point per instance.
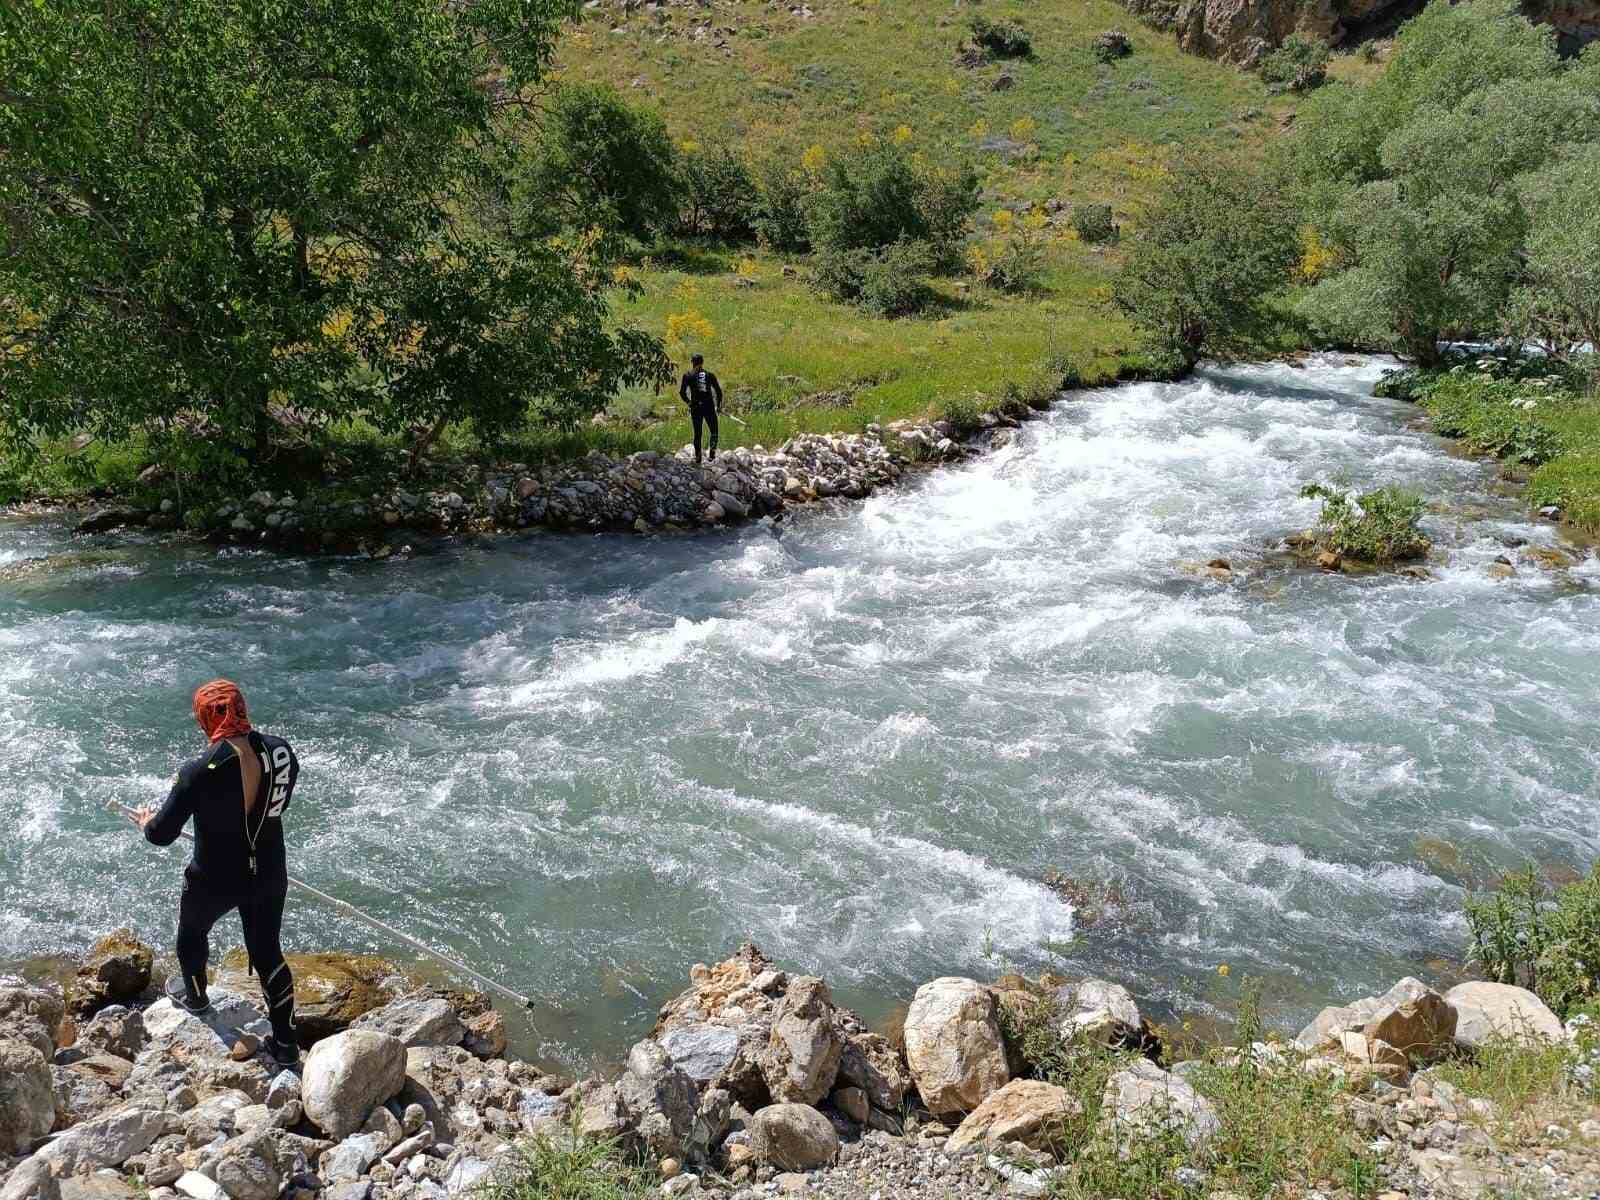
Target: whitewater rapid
pixel 585 763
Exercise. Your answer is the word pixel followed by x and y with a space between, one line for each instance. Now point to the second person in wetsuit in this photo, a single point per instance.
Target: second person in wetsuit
pixel 700 390
pixel 236 794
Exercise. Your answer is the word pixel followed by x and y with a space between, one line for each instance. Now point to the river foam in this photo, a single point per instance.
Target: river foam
pixel 861 739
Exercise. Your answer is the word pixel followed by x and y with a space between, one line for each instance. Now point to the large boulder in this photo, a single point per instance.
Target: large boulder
pixel 953 1045
pixel 248 1168
pixel 1098 1009
pixel 1414 1019
pixel 1142 1100
pixel 1027 1111
pixel 1486 1011
pixel 114 1030
pixel 804 1046
pixel 27 1096
pixel 793 1137
pixel 31 1012
pixel 347 1075
pixel 108 1140
pixel 659 1100
pixel 1324 1030
pixel 116 971
pixel 31 1180
pixel 416 1021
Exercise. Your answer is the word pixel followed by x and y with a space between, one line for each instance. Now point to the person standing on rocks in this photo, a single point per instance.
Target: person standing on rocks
pixel 700 390
pixel 236 794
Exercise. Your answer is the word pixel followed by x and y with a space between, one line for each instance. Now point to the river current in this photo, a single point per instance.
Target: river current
pixel 862 740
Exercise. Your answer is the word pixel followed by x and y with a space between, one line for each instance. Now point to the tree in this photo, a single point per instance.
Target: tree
pixel 879 195
pixel 213 212
pixel 1557 301
pixel 598 160
pixel 1216 244
pixel 1412 180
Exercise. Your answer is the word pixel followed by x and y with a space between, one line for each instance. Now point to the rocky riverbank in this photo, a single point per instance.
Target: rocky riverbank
pixel 646 492
pixel 753 1082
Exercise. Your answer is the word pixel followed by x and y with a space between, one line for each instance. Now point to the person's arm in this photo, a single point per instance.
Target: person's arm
pixel 683 389
pixel 716 387
pixel 163 826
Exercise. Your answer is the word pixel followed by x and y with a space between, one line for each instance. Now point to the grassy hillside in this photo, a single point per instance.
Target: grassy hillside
pixel 784 78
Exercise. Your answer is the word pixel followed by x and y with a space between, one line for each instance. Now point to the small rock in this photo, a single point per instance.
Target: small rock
pixel 793 1137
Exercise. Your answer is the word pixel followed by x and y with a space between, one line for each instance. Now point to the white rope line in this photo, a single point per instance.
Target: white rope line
pixel 344 906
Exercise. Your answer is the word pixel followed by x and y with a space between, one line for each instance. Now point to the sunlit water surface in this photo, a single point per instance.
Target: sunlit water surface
pixel 584 763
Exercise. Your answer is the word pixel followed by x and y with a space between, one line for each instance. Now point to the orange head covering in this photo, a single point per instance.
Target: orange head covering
pixel 219 707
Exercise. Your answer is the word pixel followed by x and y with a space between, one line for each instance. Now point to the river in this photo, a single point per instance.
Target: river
pixel 584 763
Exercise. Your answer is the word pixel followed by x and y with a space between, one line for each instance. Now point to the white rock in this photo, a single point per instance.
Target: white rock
pixel 199 1187
pixel 1485 1011
pixel 466 1175
pixel 31 1180
pixel 349 1074
pixel 701 1052
pixel 953 1045
pixel 416 1022
pixel 108 1140
pixel 1143 1099
pixel 1098 1008
pixel 351 1157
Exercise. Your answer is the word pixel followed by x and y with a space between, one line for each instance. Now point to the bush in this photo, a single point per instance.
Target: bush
pixel 1493 416
pixel 1001 39
pixel 782 193
pixel 1094 223
pixel 1572 483
pixel 1525 934
pixel 889 281
pixel 1112 45
pixel 961 412
pixel 568 1169
pixel 1379 527
pixel 1408 383
pixel 878 196
pixel 598 159
pixel 717 196
pixel 1299 65
pixel 1013 262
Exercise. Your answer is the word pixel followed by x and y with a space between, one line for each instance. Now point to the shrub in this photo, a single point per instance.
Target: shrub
pixel 961 412
pixel 717 196
pixel 1015 261
pixel 1525 934
pixel 1379 527
pixel 1112 45
pixel 568 1169
pixel 1094 223
pixel 1493 416
pixel 598 159
pixel 780 208
pixel 1299 65
pixel 889 281
pixel 1407 383
pixel 878 195
pixel 1001 39
pixel 1572 483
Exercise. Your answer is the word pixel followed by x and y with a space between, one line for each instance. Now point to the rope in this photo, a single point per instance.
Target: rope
pixel 350 909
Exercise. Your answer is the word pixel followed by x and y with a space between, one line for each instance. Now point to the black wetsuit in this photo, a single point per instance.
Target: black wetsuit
pixel 238 862
pixel 703 394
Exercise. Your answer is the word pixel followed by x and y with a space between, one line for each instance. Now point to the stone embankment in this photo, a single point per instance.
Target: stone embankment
pixel 753 1082
pixel 645 492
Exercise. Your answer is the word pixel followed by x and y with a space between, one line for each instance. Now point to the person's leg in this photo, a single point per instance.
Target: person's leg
pixel 198 911
pixel 262 919
pixel 697 418
pixel 711 423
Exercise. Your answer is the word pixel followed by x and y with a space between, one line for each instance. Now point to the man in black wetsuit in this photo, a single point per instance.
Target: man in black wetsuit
pixel 700 390
pixel 236 794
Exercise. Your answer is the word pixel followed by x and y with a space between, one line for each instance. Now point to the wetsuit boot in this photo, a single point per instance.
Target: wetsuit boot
pixel 184 996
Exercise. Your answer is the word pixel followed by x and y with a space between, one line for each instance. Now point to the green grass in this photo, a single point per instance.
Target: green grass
pixel 1079 131
pixel 568 1168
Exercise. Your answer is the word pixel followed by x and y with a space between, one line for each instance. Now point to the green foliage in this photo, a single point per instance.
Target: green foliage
pixel 1112 45
pixel 717 195
pixel 1493 416
pixel 1525 934
pixel 1381 526
pixel 782 195
pixel 879 195
pixel 1412 180
pixel 1094 223
pixel 1572 483
pixel 294 222
pixel 1218 241
pixel 1014 262
pixel 598 160
pixel 889 281
pixel 1299 65
pixel 962 414
pixel 1002 39
pixel 1557 301
pixel 1512 1074
pixel 568 1167
pixel 1407 383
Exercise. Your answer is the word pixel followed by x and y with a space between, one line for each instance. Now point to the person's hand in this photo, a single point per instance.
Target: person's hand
pixel 143 815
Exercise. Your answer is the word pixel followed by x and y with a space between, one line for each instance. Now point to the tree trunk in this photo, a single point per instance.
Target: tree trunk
pixel 425 442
